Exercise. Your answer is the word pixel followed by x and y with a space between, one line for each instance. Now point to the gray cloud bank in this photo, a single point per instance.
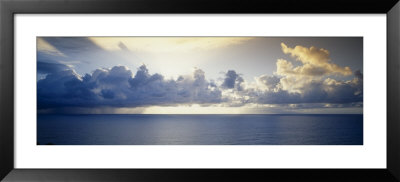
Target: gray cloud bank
pixel 119 87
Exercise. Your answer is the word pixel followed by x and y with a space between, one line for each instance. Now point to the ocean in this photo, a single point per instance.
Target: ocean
pixel 164 129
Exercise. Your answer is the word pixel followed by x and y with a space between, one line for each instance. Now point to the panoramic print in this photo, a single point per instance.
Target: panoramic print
pixel 199 90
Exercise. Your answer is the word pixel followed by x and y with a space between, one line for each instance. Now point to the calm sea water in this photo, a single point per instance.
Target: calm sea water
pixel 200 129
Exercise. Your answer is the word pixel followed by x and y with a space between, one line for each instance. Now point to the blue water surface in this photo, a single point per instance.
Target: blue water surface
pixel 256 129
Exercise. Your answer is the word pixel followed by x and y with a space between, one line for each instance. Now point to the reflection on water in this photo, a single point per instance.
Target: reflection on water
pixel 200 129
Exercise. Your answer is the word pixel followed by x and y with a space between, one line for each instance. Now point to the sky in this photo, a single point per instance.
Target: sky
pixel 200 75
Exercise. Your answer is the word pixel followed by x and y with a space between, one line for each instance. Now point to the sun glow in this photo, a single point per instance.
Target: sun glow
pixel 210 109
pixel 165 44
pixel 194 109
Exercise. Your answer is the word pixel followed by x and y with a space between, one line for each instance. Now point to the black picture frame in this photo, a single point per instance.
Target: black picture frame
pixel 9 8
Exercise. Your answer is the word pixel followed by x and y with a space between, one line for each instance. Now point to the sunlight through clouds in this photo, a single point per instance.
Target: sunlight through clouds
pixel 165 44
pixel 45 47
pixel 171 77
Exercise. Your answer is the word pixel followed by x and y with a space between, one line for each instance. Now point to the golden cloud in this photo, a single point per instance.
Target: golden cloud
pixel 316 61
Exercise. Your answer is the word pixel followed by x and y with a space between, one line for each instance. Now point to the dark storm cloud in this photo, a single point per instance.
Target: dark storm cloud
pixel 232 80
pixel 117 87
pixel 63 88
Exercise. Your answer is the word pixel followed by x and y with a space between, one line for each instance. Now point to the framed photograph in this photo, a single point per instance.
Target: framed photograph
pixel 151 91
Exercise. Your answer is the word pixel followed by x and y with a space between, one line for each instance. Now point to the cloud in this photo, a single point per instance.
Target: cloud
pixel 83 55
pixel 315 91
pixel 316 62
pixel 315 66
pixel 233 80
pixel 308 83
pixel 117 87
pixel 266 82
pixel 63 88
pixel 312 84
